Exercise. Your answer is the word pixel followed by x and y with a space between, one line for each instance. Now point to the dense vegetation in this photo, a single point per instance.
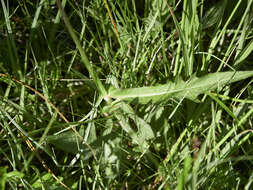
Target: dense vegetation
pixel 137 94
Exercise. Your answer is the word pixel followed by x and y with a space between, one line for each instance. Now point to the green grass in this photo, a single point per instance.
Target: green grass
pixel 126 94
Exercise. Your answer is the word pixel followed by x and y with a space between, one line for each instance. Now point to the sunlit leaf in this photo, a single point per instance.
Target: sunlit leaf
pixel 181 89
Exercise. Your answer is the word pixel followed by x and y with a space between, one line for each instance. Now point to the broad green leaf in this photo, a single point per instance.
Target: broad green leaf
pixel 137 137
pixel 180 89
pixel 67 141
pixel 144 129
pixel 15 174
pixel 214 14
pixel 47 182
pixel 123 111
pixel 3 177
pixel 245 53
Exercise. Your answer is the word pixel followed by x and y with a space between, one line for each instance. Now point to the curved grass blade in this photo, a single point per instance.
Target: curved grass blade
pixel 84 57
pixel 188 89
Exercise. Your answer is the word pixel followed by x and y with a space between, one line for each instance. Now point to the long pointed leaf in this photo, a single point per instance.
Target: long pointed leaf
pixel 190 89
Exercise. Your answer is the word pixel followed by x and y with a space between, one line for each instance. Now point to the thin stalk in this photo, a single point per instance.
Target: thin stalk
pixel 84 58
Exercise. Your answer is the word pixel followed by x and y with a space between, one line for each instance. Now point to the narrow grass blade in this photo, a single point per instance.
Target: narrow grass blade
pixel 182 39
pixel 183 177
pixel 216 39
pixel 12 48
pixel 20 128
pixel 224 107
pixel 85 60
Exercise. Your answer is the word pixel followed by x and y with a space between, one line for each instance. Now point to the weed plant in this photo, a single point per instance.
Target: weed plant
pixel 126 94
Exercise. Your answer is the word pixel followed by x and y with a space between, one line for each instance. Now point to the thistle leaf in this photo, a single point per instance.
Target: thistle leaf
pixel 181 89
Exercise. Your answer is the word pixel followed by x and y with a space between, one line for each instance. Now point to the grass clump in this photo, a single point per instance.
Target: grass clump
pixel 126 95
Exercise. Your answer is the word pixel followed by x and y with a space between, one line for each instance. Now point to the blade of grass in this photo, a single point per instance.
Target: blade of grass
pixel 85 60
pixel 13 53
pixel 224 107
pixel 216 40
pixel 186 58
pixel 244 32
pixel 183 177
pixel 243 52
pixel 224 97
pixel 41 140
pixel 112 20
